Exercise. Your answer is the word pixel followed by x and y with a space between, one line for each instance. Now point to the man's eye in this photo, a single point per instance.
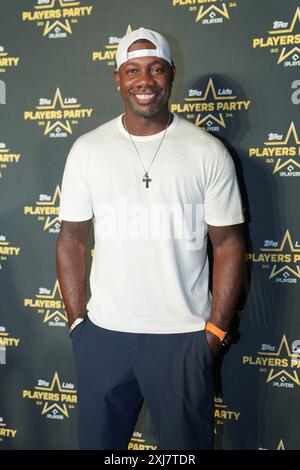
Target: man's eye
pixel 131 71
pixel 157 70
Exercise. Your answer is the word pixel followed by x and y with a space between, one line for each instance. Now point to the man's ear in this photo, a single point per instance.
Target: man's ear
pixel 173 73
pixel 117 77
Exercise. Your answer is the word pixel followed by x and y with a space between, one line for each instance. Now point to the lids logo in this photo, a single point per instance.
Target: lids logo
pixel 138 443
pixel 222 414
pixel 210 107
pixel 7 157
pixel 58 115
pixel 207 14
pixel 281 258
pixel 5 432
pixel 56 16
pixel 46 209
pixel 6 250
pixel 278 148
pixel 109 54
pixel 282 359
pixel 6 61
pixel 49 304
pixel 56 399
pixel 282 41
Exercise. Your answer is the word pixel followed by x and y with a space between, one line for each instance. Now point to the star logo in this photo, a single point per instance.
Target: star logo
pixel 56 387
pixel 283 373
pixel 58 103
pixel 109 54
pixel 54 295
pixel 290 133
pixel 295 51
pixel 54 202
pixel 210 92
pixel 57 25
pixel 286 241
pixel 281 445
pixel 57 115
pixel 115 46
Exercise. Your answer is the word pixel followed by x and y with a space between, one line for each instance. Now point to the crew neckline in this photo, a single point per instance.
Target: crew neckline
pixel 145 138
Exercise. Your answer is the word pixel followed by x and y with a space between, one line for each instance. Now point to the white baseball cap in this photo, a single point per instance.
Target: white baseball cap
pixel 162 48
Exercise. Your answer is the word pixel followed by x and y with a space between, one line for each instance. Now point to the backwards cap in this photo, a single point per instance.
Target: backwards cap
pixel 162 48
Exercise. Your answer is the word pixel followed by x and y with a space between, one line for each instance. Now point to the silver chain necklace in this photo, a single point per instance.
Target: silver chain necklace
pixel 146 178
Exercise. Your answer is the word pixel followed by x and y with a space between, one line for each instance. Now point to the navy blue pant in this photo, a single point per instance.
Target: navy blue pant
pixel 116 371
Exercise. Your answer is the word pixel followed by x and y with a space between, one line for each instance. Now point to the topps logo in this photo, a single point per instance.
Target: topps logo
pixel 280 24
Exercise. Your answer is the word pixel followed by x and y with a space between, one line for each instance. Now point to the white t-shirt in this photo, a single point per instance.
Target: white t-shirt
pixel 150 268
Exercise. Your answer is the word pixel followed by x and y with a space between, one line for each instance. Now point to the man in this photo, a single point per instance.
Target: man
pixel 156 186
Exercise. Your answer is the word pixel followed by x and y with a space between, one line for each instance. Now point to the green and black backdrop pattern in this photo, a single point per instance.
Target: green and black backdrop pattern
pixel 238 77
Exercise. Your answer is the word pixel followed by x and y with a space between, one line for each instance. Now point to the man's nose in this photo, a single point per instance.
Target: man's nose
pixel 146 78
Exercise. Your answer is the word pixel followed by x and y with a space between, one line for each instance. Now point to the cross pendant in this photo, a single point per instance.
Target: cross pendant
pixel 146 179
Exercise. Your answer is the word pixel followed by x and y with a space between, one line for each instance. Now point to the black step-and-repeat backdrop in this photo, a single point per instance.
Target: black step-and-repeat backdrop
pixel 238 77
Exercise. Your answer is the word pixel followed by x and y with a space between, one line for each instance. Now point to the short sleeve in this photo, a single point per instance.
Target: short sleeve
pixel 222 201
pixel 75 201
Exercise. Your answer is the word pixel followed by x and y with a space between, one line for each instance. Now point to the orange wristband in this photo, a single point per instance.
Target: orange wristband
pixel 215 330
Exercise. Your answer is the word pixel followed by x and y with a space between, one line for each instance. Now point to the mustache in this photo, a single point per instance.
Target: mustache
pixel 145 90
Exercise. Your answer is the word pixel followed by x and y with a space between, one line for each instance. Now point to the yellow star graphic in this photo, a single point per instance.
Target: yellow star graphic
pixel 55 294
pixel 291 132
pixel 50 315
pixel 58 99
pixel 219 120
pixel 280 445
pixel 115 46
pixel 203 12
pixel 53 203
pixel 56 291
pixel 284 55
pixel 58 102
pixel 272 375
pixel 63 4
pixel 286 240
pixel 211 88
pixel 55 382
pixel 49 27
pixel 289 30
